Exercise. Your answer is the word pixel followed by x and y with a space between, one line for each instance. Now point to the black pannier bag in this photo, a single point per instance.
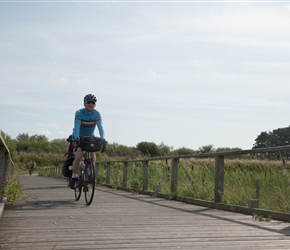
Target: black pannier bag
pixel 66 171
pixel 92 144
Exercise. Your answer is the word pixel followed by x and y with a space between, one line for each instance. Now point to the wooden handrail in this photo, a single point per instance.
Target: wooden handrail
pixel 6 163
pixel 219 167
pixel 202 155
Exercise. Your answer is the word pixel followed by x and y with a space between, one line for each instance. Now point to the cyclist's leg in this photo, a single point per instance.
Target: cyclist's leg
pixel 77 161
pixel 76 166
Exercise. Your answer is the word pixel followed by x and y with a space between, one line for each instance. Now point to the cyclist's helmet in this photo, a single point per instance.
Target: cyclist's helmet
pixel 90 97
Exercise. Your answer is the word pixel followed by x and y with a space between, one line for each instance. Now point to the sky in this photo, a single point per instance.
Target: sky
pixel 181 73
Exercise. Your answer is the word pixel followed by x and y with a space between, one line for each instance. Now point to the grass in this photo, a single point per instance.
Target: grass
pixel 12 188
pixel 244 179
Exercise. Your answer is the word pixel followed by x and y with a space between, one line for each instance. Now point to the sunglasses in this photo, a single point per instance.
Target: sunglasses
pixel 89 102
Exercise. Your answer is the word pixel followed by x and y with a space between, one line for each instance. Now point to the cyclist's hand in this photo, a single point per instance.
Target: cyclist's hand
pixel 105 143
pixel 104 146
pixel 75 142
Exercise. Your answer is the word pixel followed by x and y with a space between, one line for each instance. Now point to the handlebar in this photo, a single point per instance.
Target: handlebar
pixel 78 141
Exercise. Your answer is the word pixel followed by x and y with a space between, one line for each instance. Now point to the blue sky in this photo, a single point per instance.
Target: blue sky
pixel 185 73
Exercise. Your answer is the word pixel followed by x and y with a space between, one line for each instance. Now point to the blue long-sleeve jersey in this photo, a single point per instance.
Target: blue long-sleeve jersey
pixel 86 122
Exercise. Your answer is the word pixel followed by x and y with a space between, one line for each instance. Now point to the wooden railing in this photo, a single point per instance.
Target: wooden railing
pixel 218 186
pixel 6 164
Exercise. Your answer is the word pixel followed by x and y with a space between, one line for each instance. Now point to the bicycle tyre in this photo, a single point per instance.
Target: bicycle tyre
pixel 78 191
pixel 89 182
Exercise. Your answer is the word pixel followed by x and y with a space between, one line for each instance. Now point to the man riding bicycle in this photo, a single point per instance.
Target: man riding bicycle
pixel 86 120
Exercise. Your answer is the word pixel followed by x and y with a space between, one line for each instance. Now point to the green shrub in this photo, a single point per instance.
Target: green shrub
pixel 12 188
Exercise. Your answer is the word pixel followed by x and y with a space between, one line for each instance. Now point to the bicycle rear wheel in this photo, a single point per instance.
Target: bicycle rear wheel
pixel 78 190
pixel 89 182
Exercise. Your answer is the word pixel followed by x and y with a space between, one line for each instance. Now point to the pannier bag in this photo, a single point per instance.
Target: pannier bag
pixel 67 167
pixel 92 144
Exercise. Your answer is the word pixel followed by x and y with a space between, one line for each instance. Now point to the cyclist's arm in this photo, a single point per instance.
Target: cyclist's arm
pixel 67 149
pixel 77 126
pixel 101 129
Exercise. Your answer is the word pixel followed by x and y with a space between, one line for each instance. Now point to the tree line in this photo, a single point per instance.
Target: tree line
pixel 274 138
pixel 27 148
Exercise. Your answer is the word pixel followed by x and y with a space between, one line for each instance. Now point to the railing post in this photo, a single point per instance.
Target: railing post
pixel 174 175
pixel 219 178
pixel 145 175
pixel 125 174
pixel 108 174
pixel 258 189
pixel 96 172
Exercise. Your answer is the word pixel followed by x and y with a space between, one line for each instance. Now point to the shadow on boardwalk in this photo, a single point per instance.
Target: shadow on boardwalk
pixel 202 211
pixel 51 219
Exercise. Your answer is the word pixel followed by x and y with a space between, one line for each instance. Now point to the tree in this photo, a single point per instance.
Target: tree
pixel 38 138
pixel 275 138
pixel 58 145
pixel 266 139
pixel 26 137
pixel 206 149
pixel 183 151
pixel 23 137
pixel 148 148
pixel 164 149
pixel 117 150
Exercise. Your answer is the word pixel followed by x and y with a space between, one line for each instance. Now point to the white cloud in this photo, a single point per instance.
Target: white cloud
pixel 53 125
pixel 45 132
pixel 56 79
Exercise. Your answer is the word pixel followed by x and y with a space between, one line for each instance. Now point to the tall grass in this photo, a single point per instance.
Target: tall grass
pixel 196 179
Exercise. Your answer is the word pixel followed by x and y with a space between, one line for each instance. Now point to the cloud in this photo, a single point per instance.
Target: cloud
pixel 56 79
pixel 53 125
pixel 237 24
pixel 45 132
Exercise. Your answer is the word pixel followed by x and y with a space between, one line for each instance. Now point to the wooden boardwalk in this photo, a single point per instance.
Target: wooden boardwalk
pixel 51 219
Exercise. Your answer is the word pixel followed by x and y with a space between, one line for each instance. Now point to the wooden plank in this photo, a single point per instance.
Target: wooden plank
pixel 51 219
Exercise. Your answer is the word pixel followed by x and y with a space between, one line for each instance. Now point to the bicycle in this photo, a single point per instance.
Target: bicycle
pixel 30 171
pixel 87 179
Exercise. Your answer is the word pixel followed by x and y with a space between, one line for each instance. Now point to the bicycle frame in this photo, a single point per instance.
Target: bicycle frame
pixel 86 180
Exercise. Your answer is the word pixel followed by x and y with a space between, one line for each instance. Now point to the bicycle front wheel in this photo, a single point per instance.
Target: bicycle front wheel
pixel 78 191
pixel 89 182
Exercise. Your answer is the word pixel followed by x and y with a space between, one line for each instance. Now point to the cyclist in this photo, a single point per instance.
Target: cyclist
pixel 69 150
pixel 86 120
pixel 32 167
